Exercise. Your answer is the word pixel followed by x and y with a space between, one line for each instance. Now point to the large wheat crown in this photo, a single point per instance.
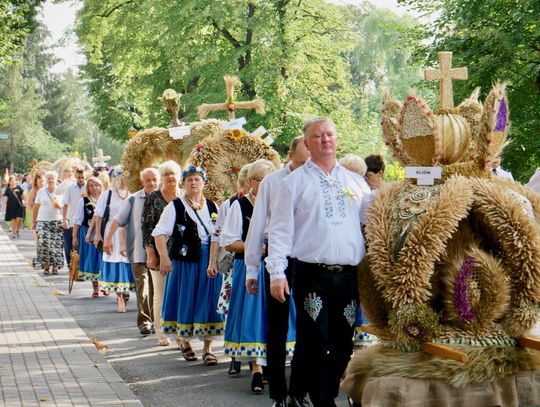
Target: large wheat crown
pixel 470 133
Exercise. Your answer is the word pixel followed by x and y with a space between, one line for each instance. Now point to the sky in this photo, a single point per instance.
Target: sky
pixel 60 20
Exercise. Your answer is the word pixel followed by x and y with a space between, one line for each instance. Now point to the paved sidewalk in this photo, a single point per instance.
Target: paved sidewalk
pixel 45 358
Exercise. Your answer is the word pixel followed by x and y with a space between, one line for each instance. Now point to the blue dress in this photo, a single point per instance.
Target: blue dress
pixel 245 331
pixel 116 274
pixel 190 300
pixel 89 258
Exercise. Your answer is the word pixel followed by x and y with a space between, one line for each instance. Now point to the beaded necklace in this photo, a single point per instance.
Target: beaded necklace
pixel 120 196
pixel 196 206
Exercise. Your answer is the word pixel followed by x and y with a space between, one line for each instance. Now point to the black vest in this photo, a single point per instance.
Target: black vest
pixel 88 210
pixel 185 244
pixel 246 207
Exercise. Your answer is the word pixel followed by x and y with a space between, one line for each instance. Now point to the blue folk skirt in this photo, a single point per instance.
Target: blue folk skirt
pixel 361 338
pixel 89 258
pixel 245 330
pixel 116 277
pixel 190 300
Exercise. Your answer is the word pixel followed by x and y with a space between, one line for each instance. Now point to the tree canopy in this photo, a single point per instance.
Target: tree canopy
pixel 498 40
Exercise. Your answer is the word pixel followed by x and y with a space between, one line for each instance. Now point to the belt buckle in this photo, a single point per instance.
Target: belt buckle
pixel 334 268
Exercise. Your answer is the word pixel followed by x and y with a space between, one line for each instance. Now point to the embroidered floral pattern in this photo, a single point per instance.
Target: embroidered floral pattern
pixel 313 305
pixel 350 312
pixel 333 196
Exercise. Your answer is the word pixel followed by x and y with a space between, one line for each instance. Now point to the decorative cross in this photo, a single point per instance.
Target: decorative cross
pixel 445 74
pixel 101 159
pixel 230 105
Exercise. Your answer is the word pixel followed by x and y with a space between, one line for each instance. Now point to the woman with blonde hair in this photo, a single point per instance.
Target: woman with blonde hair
pixel 245 331
pixel 116 275
pixel 89 256
pixel 47 222
pixel 169 175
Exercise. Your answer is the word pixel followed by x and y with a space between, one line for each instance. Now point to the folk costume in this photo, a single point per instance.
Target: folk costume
pixel 245 332
pixel 89 256
pixel 190 296
pixel 116 275
pixel 281 317
pixel 317 224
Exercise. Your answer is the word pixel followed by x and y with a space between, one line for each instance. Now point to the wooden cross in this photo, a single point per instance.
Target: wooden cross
pixel 445 74
pixel 101 159
pixel 230 105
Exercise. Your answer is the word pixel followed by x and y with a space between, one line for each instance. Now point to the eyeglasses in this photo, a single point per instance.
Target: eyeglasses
pixel 258 179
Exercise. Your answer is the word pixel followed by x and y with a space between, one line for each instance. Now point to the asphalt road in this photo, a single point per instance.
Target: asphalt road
pixel 157 375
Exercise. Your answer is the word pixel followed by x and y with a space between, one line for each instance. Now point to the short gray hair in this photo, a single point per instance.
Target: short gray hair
pixel 170 165
pixel 149 170
pixel 316 120
pixel 53 174
pixel 354 163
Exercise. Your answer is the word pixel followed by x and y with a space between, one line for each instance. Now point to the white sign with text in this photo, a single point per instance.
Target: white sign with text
pixel 423 175
pixel 178 133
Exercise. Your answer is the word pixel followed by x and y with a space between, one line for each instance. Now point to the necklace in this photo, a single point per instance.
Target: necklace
pixel 195 205
pixel 120 196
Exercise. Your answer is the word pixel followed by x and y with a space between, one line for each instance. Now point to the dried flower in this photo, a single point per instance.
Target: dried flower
pixel 461 298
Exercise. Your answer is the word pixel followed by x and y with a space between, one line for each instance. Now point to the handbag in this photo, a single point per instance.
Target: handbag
pixel 73 269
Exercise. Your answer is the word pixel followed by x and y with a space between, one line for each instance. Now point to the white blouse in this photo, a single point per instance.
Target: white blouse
pixel 232 229
pixel 258 227
pixel 166 223
pixel 47 212
pixel 114 206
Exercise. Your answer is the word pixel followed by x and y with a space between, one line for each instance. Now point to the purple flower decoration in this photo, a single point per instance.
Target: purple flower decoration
pixel 501 117
pixel 416 330
pixel 461 285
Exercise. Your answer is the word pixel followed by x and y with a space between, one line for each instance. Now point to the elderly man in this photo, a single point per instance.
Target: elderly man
pixel 71 200
pixel 316 221
pixel 277 312
pixel 130 215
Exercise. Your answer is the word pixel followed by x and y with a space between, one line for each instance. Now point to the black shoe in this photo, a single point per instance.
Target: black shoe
pixel 145 330
pixel 298 402
pixel 257 385
pixel 278 404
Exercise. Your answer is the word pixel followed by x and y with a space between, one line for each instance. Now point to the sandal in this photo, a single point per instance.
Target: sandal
pixel 234 367
pixel 163 341
pixel 209 359
pixel 105 293
pixel 95 295
pixel 46 271
pixel 257 385
pixel 55 270
pixel 188 354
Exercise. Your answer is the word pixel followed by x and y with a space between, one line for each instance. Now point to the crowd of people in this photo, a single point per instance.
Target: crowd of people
pixel 272 269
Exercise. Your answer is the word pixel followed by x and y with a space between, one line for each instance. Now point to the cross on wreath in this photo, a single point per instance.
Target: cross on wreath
pixel 230 105
pixel 445 74
pixel 101 159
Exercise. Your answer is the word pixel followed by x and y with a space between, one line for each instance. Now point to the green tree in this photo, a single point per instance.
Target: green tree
pixel 496 40
pixel 17 20
pixel 289 53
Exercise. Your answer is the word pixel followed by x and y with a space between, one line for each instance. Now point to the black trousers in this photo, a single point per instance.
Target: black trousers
pixel 276 339
pixel 326 306
pixel 68 244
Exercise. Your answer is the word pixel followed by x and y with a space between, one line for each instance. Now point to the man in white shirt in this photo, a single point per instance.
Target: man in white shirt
pixel 130 217
pixel 277 312
pixel 71 200
pixel 316 221
pixel 498 171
